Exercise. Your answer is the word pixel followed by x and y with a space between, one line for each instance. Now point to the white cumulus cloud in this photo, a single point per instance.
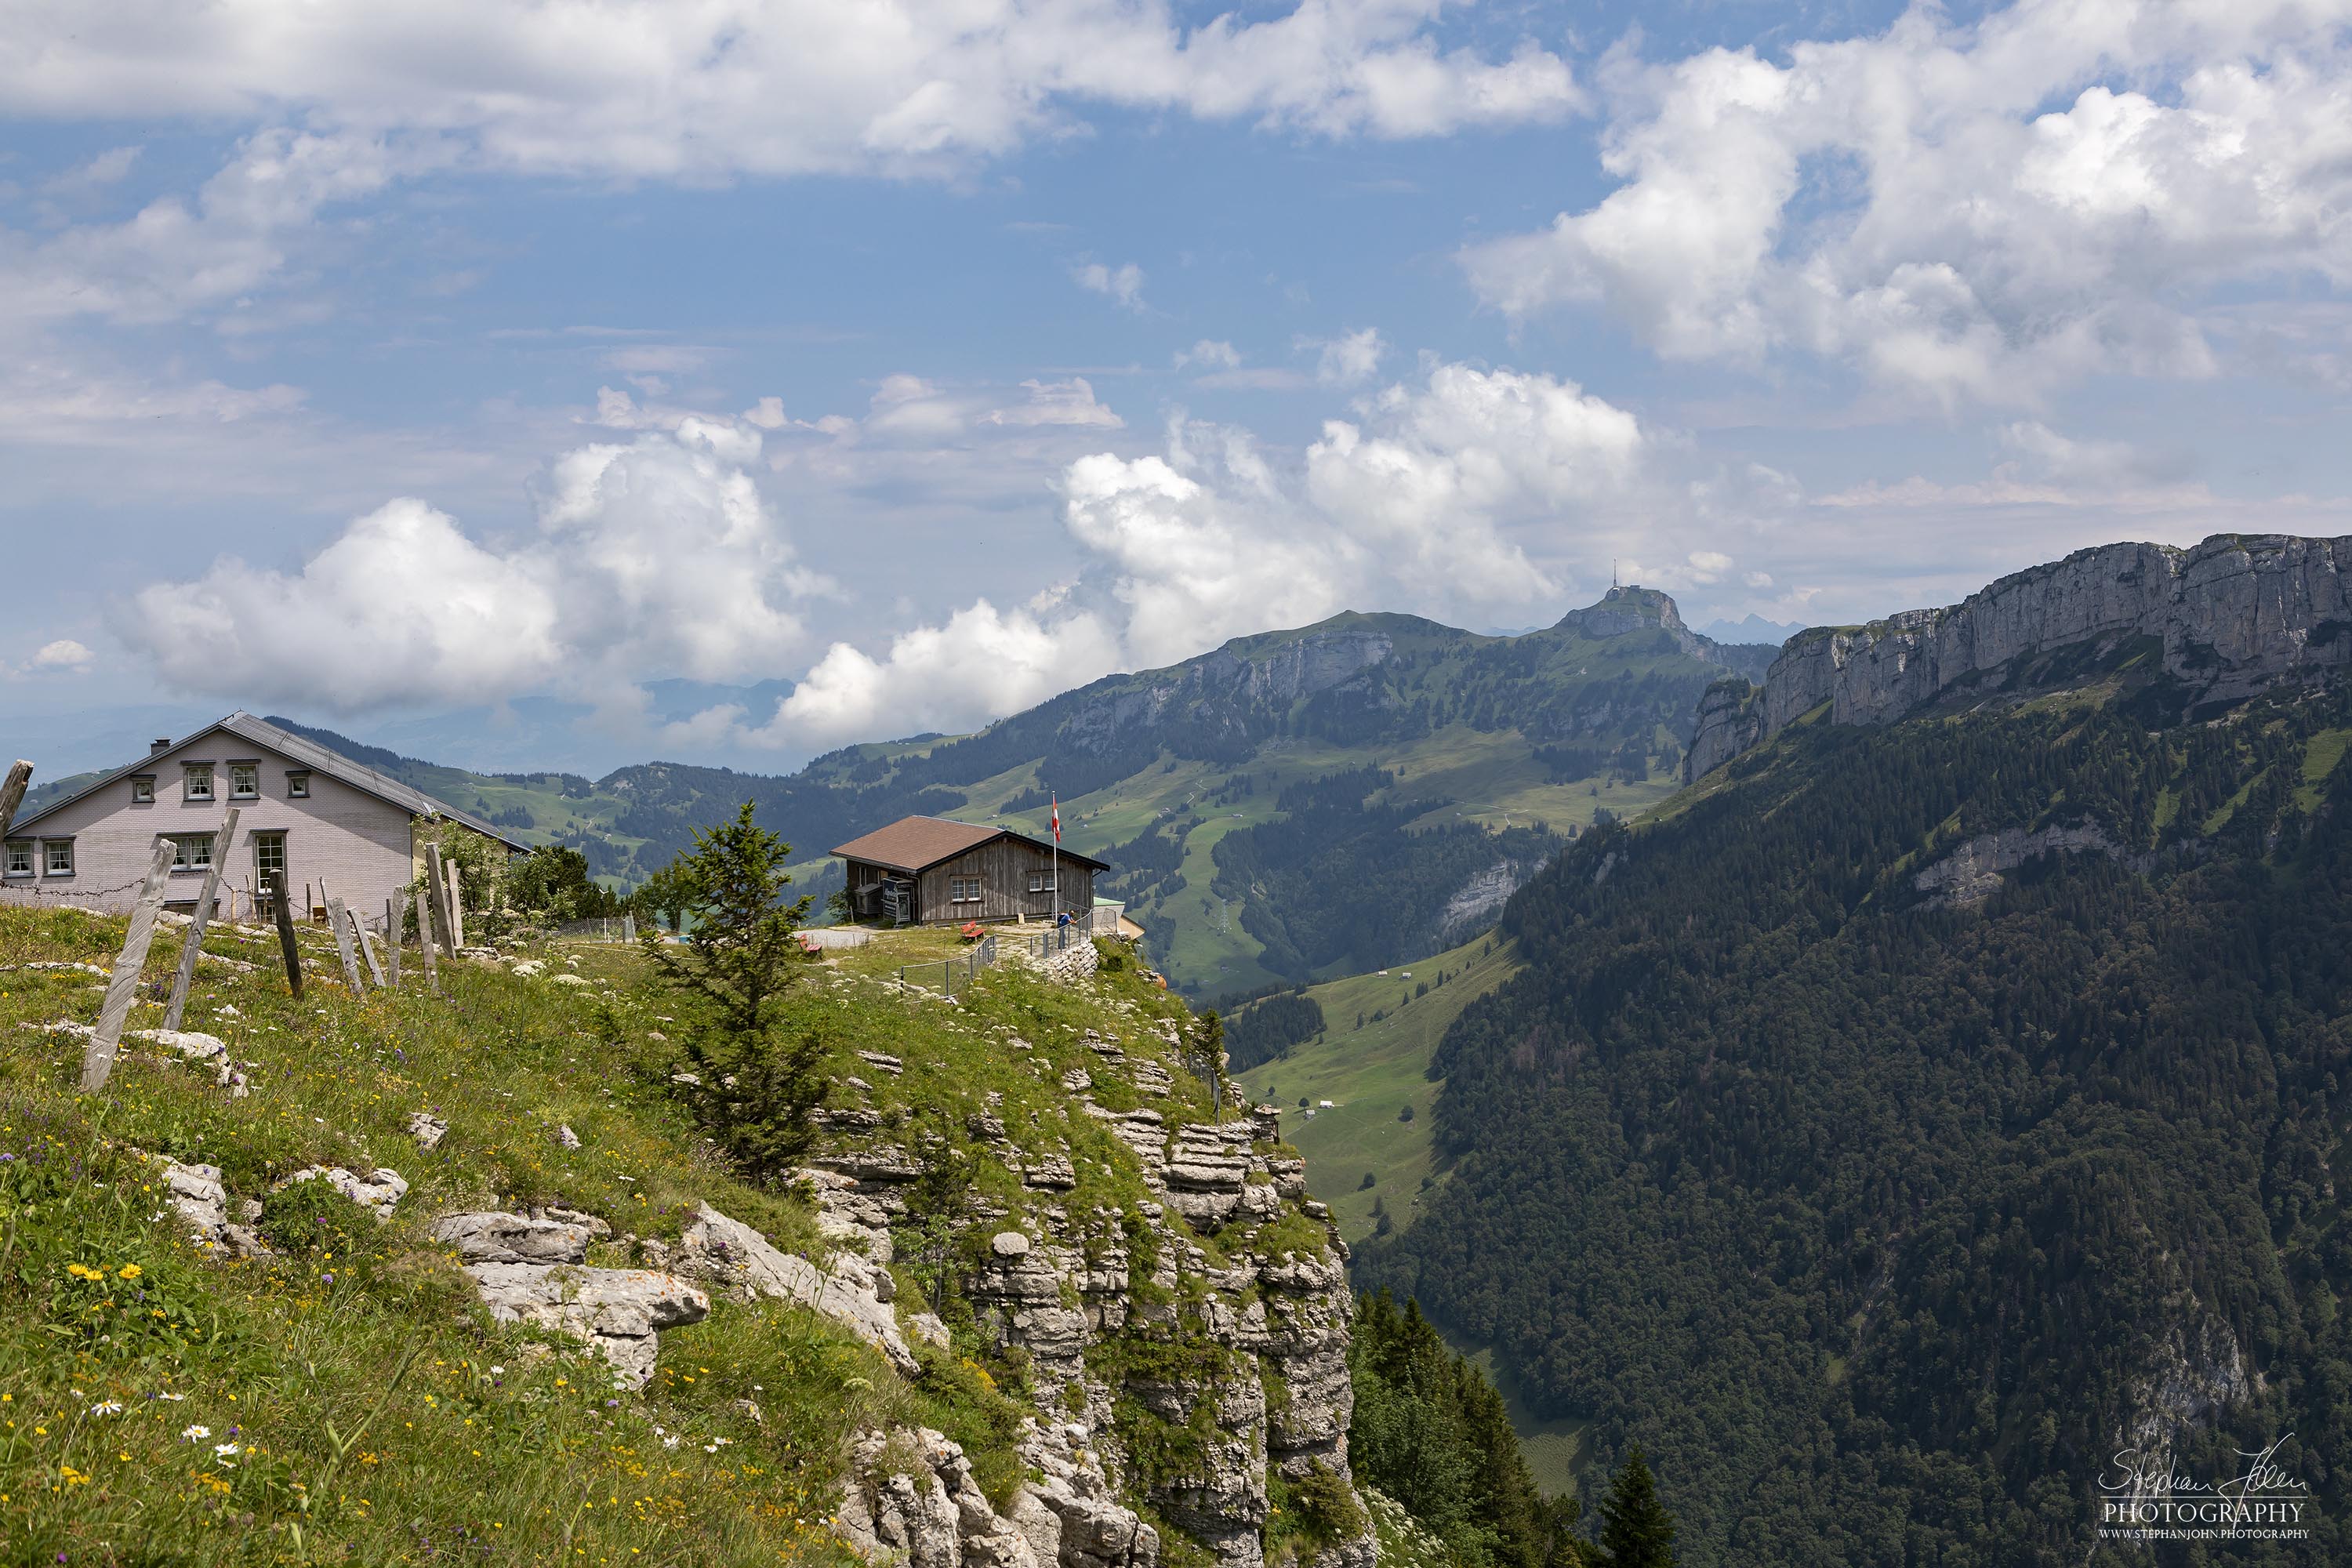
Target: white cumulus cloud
pixel 1426 499
pixel 652 557
pixel 64 654
pixel 1123 283
pixel 1350 359
pixel 705 90
pixel 1972 211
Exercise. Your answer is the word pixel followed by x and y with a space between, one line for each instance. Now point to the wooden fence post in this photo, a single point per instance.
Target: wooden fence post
pixel 424 932
pixel 437 887
pixel 342 929
pixel 12 794
pixel 195 940
pixel 122 986
pixel 456 911
pixel 359 934
pixel 282 897
pixel 392 908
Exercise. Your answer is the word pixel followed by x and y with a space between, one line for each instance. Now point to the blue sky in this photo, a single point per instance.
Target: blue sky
pixel 463 373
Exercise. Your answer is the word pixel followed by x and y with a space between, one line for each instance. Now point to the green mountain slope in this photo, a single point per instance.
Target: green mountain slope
pixel 1292 806
pixel 1370 1061
pixel 1911 1118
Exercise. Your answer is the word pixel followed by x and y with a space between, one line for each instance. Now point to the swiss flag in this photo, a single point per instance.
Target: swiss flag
pixel 1057 819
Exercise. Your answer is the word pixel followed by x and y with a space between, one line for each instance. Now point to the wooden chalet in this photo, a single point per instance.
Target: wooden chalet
pixel 928 870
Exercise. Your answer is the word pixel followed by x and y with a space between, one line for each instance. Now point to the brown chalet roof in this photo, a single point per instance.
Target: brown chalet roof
pixel 914 844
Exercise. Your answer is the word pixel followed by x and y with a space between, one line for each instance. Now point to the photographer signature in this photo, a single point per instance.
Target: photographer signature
pixel 2153 1476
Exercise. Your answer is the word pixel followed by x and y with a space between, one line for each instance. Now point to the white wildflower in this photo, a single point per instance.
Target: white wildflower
pixel 107 1407
pixel 195 1433
pixel 669 1442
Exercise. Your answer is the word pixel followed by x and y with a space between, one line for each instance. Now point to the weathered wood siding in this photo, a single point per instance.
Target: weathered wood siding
pixel 1003 867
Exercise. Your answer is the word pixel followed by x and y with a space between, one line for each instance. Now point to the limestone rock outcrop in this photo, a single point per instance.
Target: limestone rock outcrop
pixel 489 1237
pixel 1284 1318
pixel 2224 619
pixel 912 1499
pixel 732 1256
pixel 376 1192
pixel 1971 872
pixel 617 1311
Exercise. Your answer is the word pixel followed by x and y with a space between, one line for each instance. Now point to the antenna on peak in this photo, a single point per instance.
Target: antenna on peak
pixel 1612 575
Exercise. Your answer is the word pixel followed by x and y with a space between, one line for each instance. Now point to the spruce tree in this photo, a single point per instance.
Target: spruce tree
pixel 1636 1530
pixel 753 1086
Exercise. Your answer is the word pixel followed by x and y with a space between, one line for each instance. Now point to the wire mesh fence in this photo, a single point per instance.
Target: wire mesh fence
pixel 950 974
pixel 615 929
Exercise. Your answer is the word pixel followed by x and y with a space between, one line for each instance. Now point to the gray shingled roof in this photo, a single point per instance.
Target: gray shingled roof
pixel 311 754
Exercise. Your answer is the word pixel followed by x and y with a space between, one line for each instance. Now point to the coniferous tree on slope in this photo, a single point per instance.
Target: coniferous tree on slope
pixel 1636 1530
pixel 753 1087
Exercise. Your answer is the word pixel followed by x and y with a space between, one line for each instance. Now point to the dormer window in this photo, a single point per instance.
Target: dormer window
pixel 142 790
pixel 297 783
pixel 196 783
pixel 244 780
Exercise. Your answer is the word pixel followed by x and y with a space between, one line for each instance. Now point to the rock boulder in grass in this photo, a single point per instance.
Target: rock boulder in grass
pixel 201 1200
pixel 376 1192
pixel 490 1237
pixel 618 1310
pixel 197 1193
pixel 852 1292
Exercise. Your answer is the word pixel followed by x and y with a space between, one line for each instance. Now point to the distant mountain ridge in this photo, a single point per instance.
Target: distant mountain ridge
pixel 2213 623
pixel 1291 805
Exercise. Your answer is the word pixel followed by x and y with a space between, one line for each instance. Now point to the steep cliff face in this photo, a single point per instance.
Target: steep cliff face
pixel 1139 1265
pixel 1228 685
pixel 2223 620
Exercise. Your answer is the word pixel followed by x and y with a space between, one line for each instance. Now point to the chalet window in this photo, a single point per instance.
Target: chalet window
pixel 244 779
pixel 20 857
pixel 192 852
pixel 1041 882
pixel 963 890
pixel 59 856
pixel 198 782
pixel 268 853
pixel 297 783
pixel 142 790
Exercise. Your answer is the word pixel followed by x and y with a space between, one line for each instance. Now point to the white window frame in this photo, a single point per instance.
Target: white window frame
pixel 245 781
pixel 297 783
pixel 966 890
pixel 262 841
pixel 49 848
pixel 184 849
pixel 189 778
pixel 143 789
pixel 28 848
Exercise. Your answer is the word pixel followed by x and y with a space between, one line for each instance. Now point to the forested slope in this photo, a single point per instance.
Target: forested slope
pixel 1883 1177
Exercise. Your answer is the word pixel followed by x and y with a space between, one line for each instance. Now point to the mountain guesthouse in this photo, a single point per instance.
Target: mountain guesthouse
pixel 928 870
